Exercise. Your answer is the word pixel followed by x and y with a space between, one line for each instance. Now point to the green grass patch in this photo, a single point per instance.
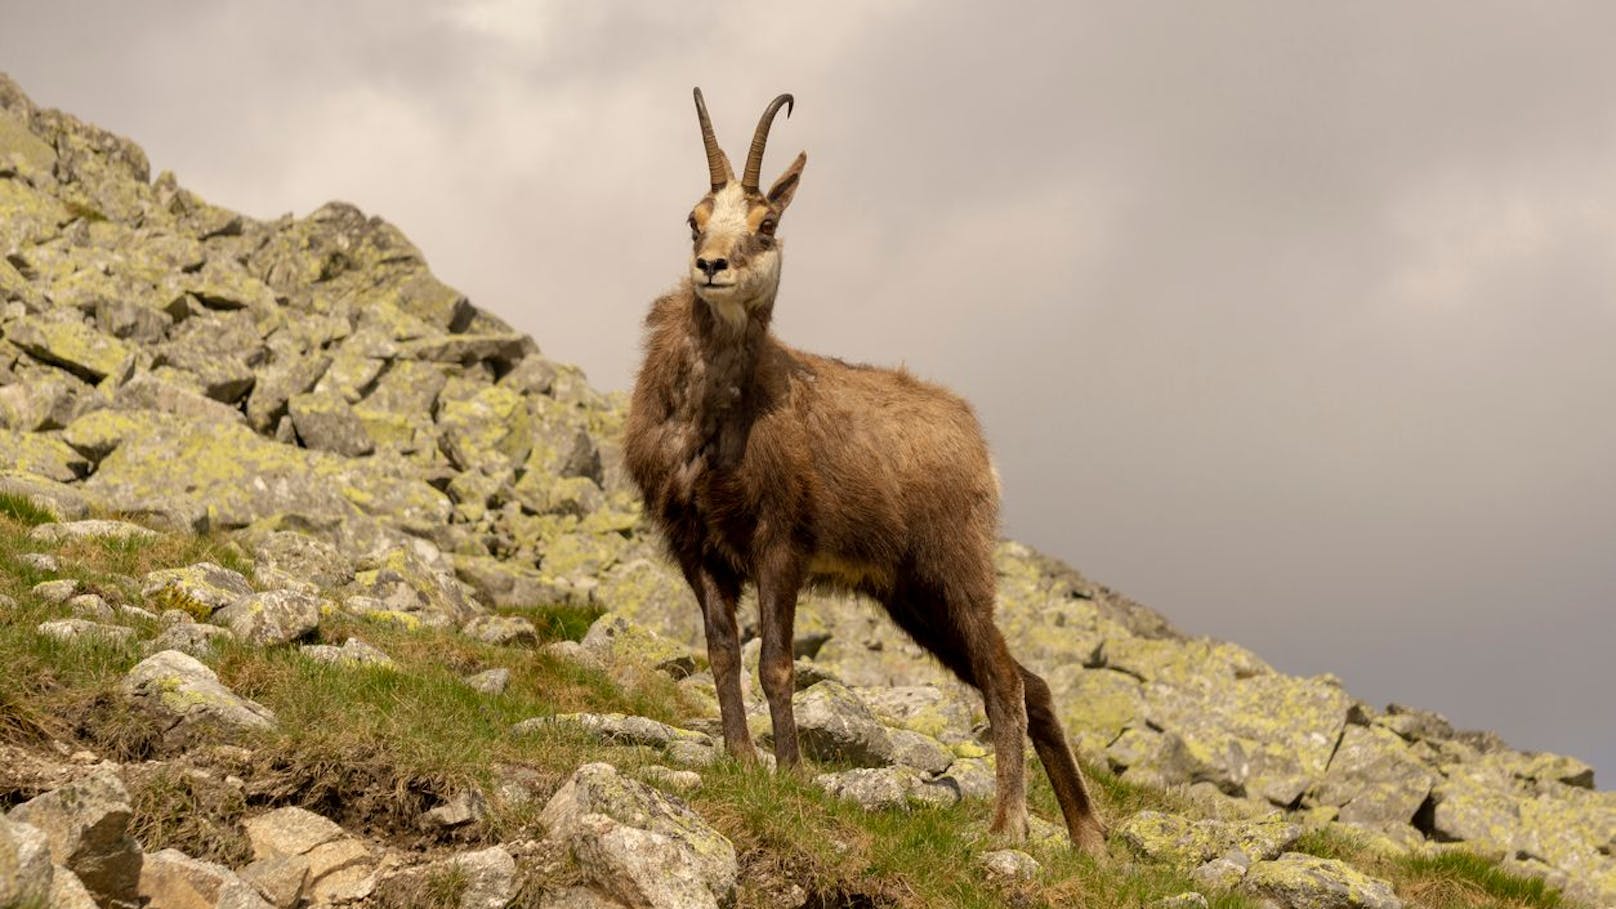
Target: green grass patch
pixel 22 509
pixel 559 622
pixel 1462 880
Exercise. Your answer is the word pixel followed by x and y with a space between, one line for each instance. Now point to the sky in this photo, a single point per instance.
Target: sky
pixel 1296 322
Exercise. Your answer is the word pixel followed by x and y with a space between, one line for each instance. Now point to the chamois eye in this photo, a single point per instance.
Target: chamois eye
pixel 767 227
pixel 694 230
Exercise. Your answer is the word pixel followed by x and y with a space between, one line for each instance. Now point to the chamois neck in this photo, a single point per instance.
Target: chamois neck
pixel 729 353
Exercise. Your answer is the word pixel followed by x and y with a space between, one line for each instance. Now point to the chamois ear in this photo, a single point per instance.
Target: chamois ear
pixel 784 188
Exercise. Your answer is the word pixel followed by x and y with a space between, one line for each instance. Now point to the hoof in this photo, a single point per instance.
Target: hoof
pixel 1010 827
pixel 1089 839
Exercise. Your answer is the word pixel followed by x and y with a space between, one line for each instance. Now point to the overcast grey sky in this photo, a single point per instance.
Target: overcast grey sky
pixel 1295 322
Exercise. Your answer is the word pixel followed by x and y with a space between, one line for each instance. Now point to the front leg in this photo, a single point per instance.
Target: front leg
pixel 718 591
pixel 779 581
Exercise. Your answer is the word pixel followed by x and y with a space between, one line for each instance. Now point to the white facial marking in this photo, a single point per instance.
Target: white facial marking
pixel 743 286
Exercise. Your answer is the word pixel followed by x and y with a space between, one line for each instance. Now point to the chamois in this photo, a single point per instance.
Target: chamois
pixel 764 464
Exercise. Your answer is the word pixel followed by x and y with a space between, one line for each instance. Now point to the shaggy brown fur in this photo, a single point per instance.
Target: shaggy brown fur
pixel 764 464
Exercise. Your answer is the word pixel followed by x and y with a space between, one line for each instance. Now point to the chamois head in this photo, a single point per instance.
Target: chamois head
pixel 734 256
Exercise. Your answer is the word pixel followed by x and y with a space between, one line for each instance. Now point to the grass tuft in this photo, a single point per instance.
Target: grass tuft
pixel 1464 880
pixel 22 509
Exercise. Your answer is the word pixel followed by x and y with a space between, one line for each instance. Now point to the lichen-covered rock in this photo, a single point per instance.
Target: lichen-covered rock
pixel 326 422
pixel 49 402
pixel 1298 881
pixel 1374 778
pixel 188 700
pixel 505 584
pixel 875 788
pixel 86 823
pixel 271 617
pixel 196 639
pixel 491 432
pixel 643 846
pixel 73 346
pixel 90 530
pixel 944 714
pixel 90 606
pixel 203 588
pixel 922 752
pixel 1185 843
pixel 403 583
pixel 1247 728
pixel 502 630
pixel 465 807
pixel 165 394
pixel 281 556
pixel 57 591
pixel 353 652
pixel 84 630
pixel 1010 864
pixel 615 639
pixel 490 681
pixel 42 456
pixel 61 501
pixel 615 728
pixel 833 724
pixel 173 880
pixel 974 777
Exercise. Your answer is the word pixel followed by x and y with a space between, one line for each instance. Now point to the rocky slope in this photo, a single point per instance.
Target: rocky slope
pixel 378 447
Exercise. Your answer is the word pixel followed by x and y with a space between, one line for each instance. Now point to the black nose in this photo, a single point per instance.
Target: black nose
pixel 713 267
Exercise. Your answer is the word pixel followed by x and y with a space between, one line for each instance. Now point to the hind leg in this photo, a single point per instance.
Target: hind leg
pixel 779 580
pixel 999 679
pixel 1083 823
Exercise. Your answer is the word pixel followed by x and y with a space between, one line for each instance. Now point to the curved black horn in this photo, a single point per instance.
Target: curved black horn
pixel 718 168
pixel 754 158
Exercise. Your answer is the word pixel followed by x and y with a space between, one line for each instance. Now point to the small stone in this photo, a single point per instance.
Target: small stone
pixel 90 606
pixel 669 778
pixel 194 639
pixel 466 807
pixel 615 728
pixel 56 591
pixel 40 561
pixel 90 530
pixel 1221 873
pixel 1187 900
pixel 501 630
pixel 353 652
pixel 875 788
pixel 490 681
pixel 80 630
pixel 210 587
pixel 614 638
pixel 1010 864
pixel 574 653
pixel 272 617
pixel 1300 881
